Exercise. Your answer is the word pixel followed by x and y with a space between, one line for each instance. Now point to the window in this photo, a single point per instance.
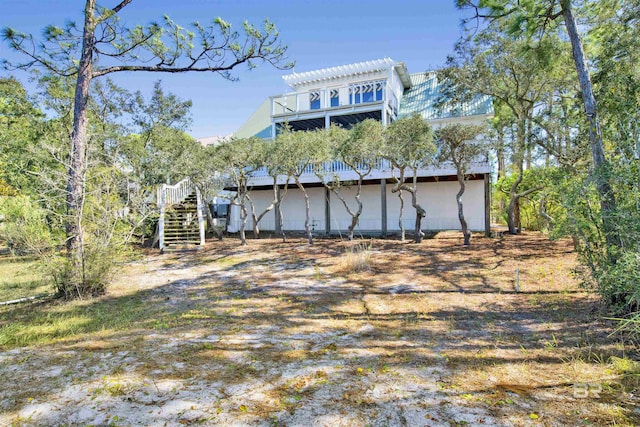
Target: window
pixel 366 92
pixel 314 100
pixel 219 210
pixel 335 97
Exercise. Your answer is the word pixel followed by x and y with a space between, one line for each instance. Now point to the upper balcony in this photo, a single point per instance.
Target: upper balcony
pixel 373 95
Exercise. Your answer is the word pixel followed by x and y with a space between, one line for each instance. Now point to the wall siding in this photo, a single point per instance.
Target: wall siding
pixel 437 198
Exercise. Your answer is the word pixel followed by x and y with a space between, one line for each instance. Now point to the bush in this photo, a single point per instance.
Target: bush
pixel 619 282
pixel 99 264
pixel 357 259
pixel 24 225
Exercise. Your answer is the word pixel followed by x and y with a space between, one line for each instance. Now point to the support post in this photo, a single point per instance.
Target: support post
pixel 327 211
pixel 161 202
pixel 201 223
pixel 487 206
pixel 383 205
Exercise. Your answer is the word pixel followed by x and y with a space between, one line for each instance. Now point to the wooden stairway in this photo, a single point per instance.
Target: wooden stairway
pixel 181 224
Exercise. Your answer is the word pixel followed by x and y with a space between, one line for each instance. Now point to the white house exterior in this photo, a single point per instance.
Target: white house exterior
pixel 345 95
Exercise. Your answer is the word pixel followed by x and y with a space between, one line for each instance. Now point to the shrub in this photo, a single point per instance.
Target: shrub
pixel 356 259
pixel 24 225
pixel 619 282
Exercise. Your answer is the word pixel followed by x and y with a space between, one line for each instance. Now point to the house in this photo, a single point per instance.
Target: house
pixel 382 90
pixel 345 95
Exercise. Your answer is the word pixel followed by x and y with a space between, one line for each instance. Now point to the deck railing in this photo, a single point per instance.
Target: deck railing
pixel 172 194
pixel 320 99
pixel 169 195
pixel 337 167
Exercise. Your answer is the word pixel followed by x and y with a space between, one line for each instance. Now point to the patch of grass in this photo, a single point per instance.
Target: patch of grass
pixel 47 322
pixel 20 277
pixel 356 260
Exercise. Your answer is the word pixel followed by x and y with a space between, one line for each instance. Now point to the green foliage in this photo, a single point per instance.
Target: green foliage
pixel 619 283
pixel 409 142
pixel 21 126
pixel 100 262
pixel 24 225
pixel 458 144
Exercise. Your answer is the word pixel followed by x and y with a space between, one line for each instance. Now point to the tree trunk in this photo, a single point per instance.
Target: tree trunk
pixel 78 166
pixel 420 212
pixel 307 211
pixel 355 216
pixel 281 197
pixel 514 197
pixel 500 152
pixel 243 222
pixel 463 223
pixel 254 219
pixel 600 163
pixel 257 218
pixel 543 213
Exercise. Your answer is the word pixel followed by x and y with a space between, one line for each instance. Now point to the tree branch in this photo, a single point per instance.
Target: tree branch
pixel 119 7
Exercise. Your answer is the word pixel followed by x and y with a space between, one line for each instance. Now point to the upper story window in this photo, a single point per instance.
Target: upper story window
pixel 366 92
pixel 314 100
pixel 334 95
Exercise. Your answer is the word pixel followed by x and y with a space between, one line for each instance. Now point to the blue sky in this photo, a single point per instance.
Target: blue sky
pixel 318 34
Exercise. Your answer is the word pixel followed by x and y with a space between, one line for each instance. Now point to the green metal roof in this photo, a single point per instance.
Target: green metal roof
pixel 421 98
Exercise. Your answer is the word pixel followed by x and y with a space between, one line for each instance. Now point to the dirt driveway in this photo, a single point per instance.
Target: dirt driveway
pixel 286 334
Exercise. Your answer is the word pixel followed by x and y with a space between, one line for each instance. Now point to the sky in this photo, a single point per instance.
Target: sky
pixel 318 34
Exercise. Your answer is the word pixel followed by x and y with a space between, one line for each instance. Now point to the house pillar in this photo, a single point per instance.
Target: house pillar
pixel 383 204
pixel 327 121
pixel 487 206
pixel 327 211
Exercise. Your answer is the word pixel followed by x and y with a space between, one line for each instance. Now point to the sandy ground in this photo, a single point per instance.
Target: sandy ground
pixel 286 334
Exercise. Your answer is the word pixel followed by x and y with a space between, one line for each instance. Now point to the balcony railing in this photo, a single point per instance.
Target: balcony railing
pixel 328 169
pixel 354 94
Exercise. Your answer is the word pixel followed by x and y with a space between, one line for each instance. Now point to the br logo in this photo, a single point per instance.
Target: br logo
pixel 584 390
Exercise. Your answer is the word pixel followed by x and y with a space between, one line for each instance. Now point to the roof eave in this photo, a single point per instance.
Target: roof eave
pixel 401 69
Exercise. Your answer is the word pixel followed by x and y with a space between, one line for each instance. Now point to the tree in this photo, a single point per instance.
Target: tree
pixel 21 126
pixel 279 163
pixel 359 149
pixel 240 157
pixel 520 78
pixel 301 154
pixel 409 145
pixel 536 16
pixel 266 152
pixel 460 146
pixel 158 47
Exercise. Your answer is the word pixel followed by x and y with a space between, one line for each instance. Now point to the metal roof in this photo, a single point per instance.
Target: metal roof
pixel 423 95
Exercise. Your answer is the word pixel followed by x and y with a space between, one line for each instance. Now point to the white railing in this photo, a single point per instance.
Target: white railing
pixel 171 194
pixel 319 99
pixel 328 168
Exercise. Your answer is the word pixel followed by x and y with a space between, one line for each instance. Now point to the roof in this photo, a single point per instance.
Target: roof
pixel 423 95
pixel 295 79
pixel 213 140
pixel 257 122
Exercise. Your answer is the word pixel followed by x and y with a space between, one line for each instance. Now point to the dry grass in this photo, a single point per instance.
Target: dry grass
pixel 283 333
pixel 356 259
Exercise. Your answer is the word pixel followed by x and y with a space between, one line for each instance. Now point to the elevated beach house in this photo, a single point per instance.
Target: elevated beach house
pixel 345 95
pixel 382 90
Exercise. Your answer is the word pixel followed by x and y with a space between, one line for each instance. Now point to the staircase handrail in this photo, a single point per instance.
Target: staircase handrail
pixel 172 194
